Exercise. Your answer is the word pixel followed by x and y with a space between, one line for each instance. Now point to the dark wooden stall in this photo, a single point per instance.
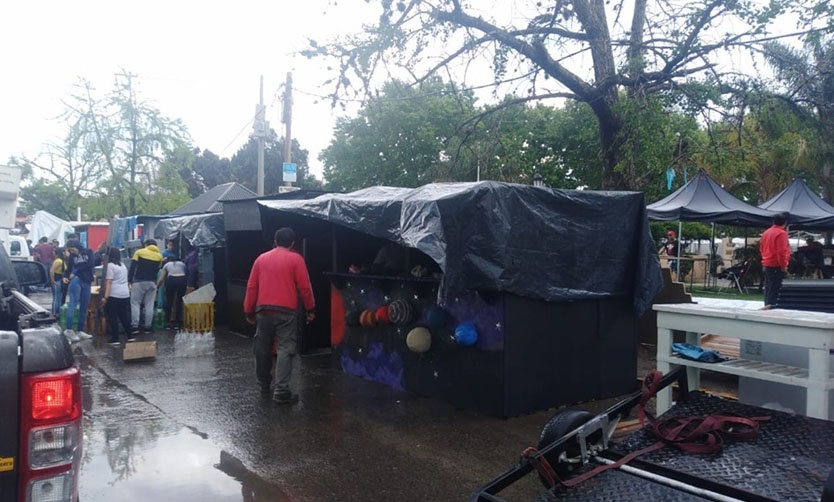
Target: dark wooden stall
pixel 549 283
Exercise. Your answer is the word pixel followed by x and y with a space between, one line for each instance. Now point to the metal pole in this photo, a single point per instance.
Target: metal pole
pixel 261 141
pixel 288 121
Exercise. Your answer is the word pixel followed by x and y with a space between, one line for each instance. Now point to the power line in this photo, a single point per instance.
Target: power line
pixel 242 129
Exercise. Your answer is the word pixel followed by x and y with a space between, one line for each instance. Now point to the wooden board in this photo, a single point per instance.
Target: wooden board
pixel 724 345
pixel 139 350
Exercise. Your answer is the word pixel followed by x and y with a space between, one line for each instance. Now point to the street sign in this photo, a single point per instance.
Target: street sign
pixel 290 170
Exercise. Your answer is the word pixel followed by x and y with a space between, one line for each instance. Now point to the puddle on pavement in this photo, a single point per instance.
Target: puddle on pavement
pixel 133 452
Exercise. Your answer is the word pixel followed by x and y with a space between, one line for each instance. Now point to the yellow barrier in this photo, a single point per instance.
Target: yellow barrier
pixel 199 316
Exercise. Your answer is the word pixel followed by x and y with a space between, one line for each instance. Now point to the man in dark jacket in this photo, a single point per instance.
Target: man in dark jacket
pixel 142 275
pixel 78 277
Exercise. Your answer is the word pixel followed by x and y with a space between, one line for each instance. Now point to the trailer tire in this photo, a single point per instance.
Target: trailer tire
pixel 560 424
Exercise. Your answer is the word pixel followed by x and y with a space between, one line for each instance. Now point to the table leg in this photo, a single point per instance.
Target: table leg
pixel 693 375
pixel 816 405
pixel 664 349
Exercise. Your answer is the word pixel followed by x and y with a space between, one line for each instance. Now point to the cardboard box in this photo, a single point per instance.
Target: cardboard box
pixel 139 350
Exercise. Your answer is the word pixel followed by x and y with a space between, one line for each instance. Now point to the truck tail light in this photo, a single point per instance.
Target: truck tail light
pixel 50 436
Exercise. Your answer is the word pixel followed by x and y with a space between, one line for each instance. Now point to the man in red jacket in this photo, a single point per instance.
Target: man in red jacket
pixel 776 254
pixel 277 279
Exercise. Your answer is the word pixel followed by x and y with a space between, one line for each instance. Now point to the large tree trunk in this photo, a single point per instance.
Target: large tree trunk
pixel 610 143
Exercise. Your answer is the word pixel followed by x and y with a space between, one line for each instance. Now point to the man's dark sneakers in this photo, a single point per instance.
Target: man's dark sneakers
pixel 287 398
pixel 264 389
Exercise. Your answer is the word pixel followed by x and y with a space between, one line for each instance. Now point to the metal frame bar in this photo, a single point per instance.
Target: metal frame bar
pixel 622 409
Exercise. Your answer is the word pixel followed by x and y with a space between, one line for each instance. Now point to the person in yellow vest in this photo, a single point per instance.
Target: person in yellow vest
pixel 142 279
pixel 56 275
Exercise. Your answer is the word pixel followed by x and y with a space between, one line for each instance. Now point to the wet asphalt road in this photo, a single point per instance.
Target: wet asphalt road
pixel 191 425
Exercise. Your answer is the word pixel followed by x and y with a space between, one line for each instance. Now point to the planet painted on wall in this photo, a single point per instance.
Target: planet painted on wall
pixel 466 334
pixel 382 316
pixel 367 318
pixel 400 312
pixel 436 317
pixel 418 340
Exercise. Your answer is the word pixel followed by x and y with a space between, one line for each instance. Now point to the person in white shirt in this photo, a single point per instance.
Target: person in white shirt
pixel 174 279
pixel 116 298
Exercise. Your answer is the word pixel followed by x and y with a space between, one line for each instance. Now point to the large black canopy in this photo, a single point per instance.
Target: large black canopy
pixel 807 209
pixel 201 230
pixel 702 199
pixel 553 245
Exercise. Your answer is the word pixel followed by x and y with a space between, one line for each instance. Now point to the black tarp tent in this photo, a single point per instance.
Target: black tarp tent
pixel 547 244
pixel 807 209
pixel 201 230
pixel 704 200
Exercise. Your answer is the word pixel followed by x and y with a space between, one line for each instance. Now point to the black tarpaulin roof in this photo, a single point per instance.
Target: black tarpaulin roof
pixel 702 199
pixel 201 230
pixel 212 200
pixel 807 209
pixel 554 245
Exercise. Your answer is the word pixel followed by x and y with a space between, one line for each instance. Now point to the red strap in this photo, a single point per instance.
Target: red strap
pixel 689 434
pixel 694 434
pixel 542 466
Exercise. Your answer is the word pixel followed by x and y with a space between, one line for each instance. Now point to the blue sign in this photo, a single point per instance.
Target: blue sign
pixel 290 171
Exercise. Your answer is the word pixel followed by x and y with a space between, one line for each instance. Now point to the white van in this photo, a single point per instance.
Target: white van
pixel 16 246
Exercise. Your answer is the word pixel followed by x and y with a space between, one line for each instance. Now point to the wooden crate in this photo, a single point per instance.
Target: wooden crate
pixel 139 350
pixel 199 316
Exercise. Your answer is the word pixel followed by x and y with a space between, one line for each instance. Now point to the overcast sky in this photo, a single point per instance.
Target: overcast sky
pixel 200 62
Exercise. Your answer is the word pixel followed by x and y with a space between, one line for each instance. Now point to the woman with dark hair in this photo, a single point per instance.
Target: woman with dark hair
pixel 116 297
pixel 173 276
pixel 56 279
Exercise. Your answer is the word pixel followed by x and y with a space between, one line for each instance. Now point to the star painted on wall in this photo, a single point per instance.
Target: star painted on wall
pixel 436 374
pixel 362 291
pixel 498 326
pixel 386 297
pixel 416 297
pixel 360 350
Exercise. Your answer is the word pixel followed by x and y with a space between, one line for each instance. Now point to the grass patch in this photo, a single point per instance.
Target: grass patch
pixel 727 294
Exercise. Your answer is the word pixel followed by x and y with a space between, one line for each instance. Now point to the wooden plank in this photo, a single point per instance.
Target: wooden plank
pixel 139 350
pixel 724 345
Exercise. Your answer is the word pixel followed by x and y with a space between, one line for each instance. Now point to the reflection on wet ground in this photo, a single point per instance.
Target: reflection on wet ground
pixel 133 452
pixel 190 425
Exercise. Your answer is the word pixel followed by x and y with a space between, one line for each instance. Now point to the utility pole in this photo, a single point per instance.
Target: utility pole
pixel 260 127
pixel 286 118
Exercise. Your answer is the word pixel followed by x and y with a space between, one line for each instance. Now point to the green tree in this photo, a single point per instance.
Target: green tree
pixel 807 77
pixel 113 156
pixel 757 152
pixel 209 170
pixel 406 136
pixel 550 50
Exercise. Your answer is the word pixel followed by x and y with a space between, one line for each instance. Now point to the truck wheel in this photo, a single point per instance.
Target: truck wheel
pixel 560 424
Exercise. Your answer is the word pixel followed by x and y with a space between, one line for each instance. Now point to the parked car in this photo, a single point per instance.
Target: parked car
pixel 40 385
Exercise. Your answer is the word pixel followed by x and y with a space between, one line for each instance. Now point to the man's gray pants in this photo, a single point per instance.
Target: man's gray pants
pixel 281 326
pixel 142 297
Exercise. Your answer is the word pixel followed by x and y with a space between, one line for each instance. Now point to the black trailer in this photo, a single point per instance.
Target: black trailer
pixel 790 458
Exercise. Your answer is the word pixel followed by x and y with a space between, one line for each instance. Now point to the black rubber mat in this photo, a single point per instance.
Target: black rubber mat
pixel 790 460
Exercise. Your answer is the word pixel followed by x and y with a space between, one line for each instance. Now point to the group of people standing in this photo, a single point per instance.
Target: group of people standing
pixel 71 277
pixel 128 292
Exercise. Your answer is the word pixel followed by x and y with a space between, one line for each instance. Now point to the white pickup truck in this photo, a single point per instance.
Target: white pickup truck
pixel 16 246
